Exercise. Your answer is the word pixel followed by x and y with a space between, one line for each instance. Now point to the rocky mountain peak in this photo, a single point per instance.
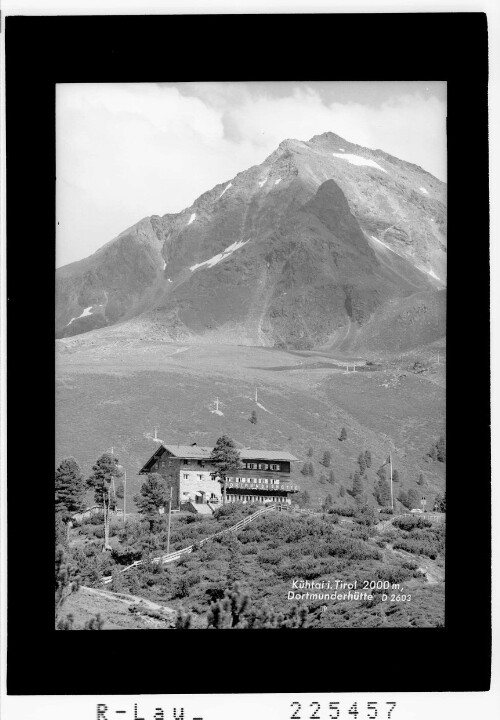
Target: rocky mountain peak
pixel 319 237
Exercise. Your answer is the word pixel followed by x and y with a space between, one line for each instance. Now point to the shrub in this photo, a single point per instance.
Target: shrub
pixel 410 523
pixel 343 434
pixel 327 458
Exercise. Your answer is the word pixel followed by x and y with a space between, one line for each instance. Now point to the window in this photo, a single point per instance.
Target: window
pixel 185 462
pixel 200 475
pixel 275 467
pixel 252 466
pixel 186 476
pixel 263 466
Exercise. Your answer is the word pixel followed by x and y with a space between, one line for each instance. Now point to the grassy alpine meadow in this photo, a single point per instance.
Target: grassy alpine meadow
pixel 114 397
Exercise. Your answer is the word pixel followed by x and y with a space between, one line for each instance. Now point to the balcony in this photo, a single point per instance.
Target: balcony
pixel 262 488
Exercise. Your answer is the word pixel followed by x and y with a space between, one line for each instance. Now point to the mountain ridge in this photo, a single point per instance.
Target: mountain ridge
pixel 320 235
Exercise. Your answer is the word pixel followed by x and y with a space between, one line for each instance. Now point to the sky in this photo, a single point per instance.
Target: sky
pixel 126 151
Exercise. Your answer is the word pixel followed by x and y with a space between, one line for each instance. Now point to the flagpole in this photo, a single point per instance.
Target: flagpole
pixel 392 496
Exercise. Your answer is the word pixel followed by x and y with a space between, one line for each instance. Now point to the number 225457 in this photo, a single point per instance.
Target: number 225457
pixel 334 711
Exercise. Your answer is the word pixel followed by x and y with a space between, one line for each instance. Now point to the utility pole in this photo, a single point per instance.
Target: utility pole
pixel 217 404
pixel 156 432
pixel 169 516
pixel 392 496
pixel 255 395
pixel 124 496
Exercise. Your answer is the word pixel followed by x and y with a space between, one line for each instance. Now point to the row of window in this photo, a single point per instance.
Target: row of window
pixel 261 466
pixel 247 466
pixel 262 481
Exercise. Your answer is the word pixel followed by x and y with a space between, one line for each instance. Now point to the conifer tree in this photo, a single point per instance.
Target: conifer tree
pixel 342 491
pixel 226 459
pixel 368 459
pixel 421 480
pixel 383 493
pixel 357 485
pixel 395 476
pixel 441 449
pixel 331 477
pixel 327 458
pixel 309 452
pixel 327 503
pixel 69 490
pixel 154 494
pixel 253 417
pixel 361 463
pixel 343 434
pixel 310 469
pixel 413 499
pixel 67 579
pixel 104 471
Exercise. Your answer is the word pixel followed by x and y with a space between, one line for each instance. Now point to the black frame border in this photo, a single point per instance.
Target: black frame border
pixel 42 51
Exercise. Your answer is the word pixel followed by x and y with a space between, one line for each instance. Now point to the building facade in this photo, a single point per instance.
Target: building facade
pixel 264 475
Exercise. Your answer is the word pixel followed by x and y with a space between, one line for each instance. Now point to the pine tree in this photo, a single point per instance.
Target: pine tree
pixel 226 459
pixel 331 477
pixel 67 579
pixel 328 503
pixel 310 452
pixel 305 469
pixel 381 473
pixel 368 459
pixel 440 503
pixel 433 453
pixel 357 485
pixel 342 491
pixel 441 449
pixel 322 479
pixel 69 490
pixel 154 494
pixel 403 498
pixel 413 499
pixel 105 469
pixel 395 476
pixel 343 434
pixel 421 480
pixel 310 469
pixel 327 458
pixel 383 493
pixel 361 463
pixel 253 417
pixel 303 498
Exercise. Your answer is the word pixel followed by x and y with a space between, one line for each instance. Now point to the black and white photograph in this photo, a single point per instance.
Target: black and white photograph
pixel 251 355
pixel 248 380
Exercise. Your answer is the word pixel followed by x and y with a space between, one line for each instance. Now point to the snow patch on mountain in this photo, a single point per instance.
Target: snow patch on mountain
pixel 382 243
pixel 225 189
pixel 192 218
pixel 358 160
pixel 277 181
pixel 86 312
pixel 341 149
pixel 164 265
pixel 221 256
pixel 433 274
pixel 422 189
pixel 169 280
pixel 262 182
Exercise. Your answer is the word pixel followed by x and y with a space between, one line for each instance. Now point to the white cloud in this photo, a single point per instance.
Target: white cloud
pixel 128 151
